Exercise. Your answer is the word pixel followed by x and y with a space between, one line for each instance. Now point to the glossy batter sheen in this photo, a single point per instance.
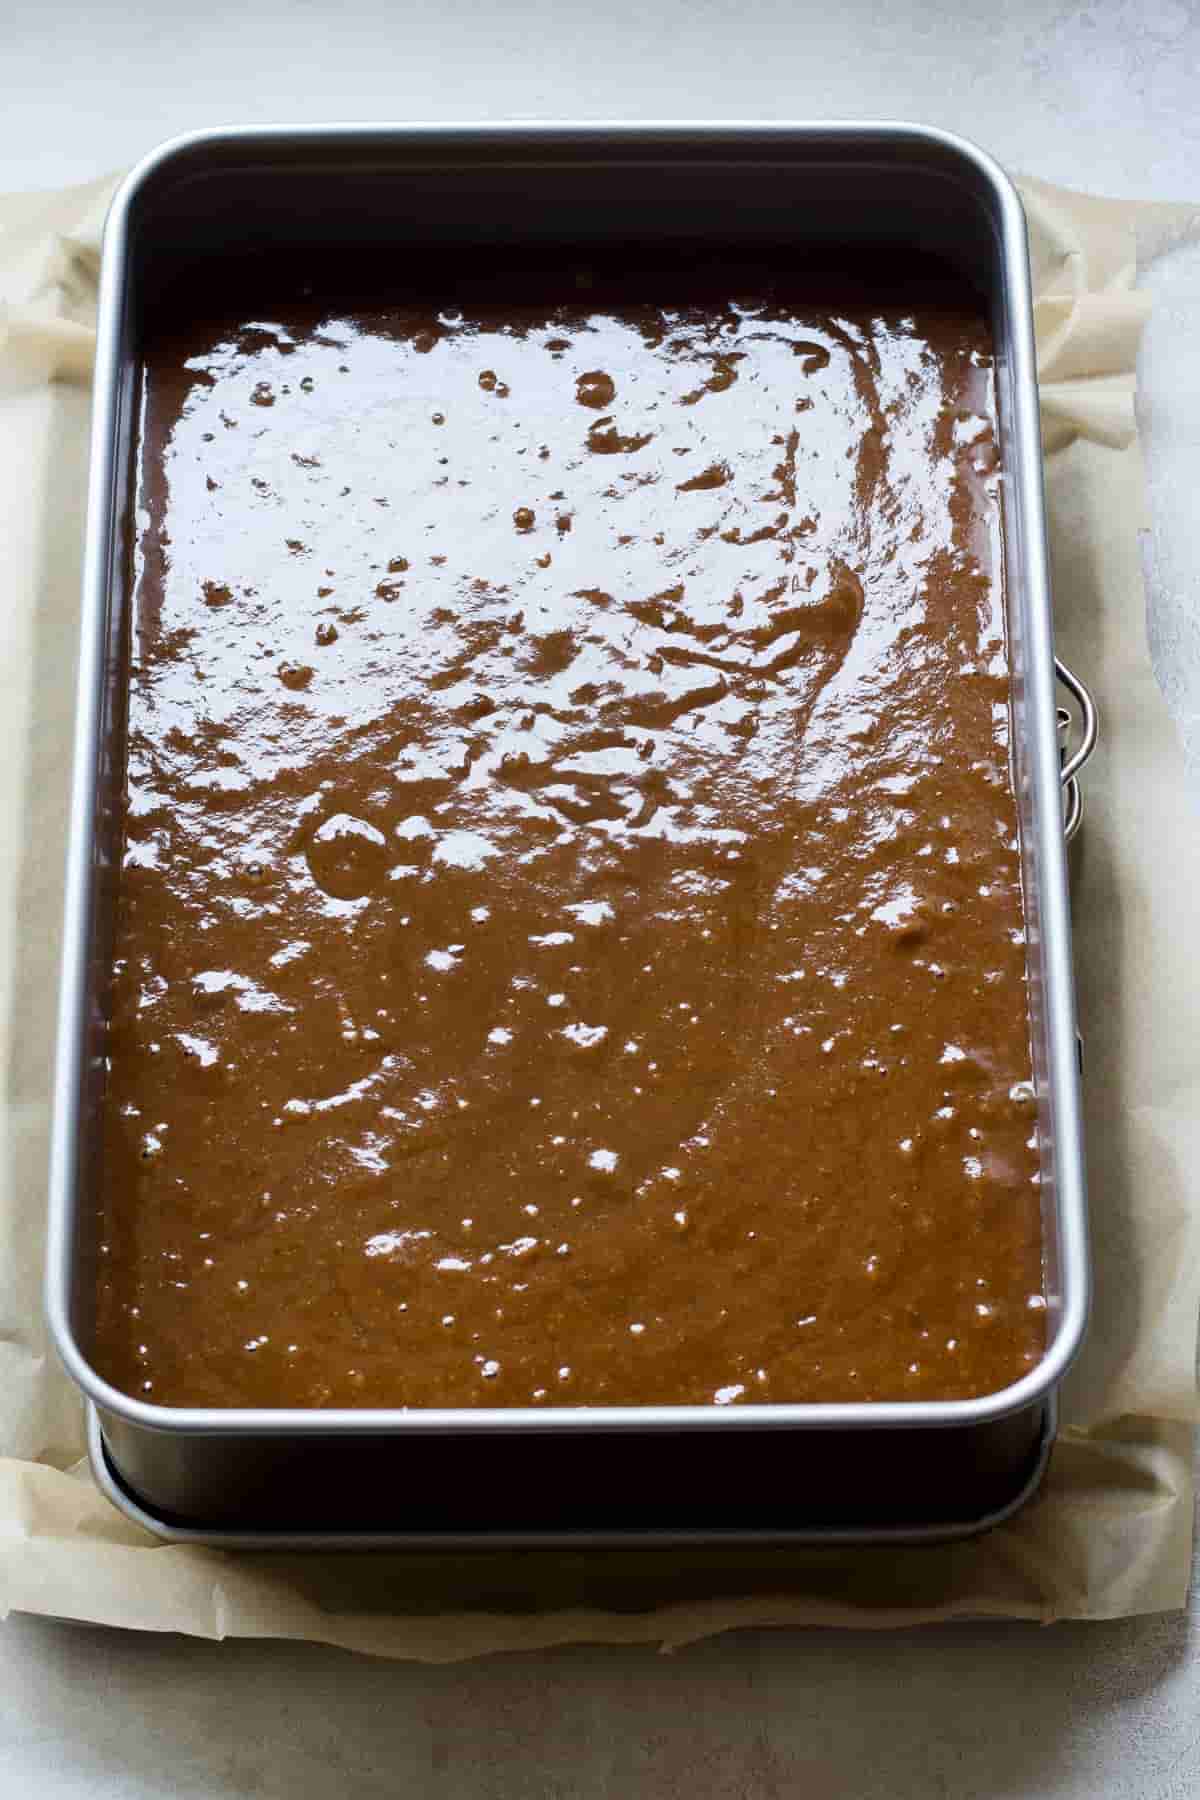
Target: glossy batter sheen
pixel 570 946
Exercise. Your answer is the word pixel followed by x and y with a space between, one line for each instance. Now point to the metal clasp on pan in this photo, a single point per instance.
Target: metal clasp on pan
pixel 1073 760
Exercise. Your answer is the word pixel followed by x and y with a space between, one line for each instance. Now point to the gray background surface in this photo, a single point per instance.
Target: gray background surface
pixel 1102 97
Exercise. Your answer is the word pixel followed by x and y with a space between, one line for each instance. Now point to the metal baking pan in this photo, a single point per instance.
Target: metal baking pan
pixel 601 1475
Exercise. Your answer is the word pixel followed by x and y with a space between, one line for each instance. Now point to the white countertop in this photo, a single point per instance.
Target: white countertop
pixel 1101 97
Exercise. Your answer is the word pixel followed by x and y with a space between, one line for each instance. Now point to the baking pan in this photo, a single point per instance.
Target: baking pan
pixel 605 1474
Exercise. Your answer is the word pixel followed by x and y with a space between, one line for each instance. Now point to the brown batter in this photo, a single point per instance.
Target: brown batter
pixel 570 943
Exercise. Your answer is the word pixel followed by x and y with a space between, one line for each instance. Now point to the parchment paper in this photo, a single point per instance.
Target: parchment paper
pixel 1111 1531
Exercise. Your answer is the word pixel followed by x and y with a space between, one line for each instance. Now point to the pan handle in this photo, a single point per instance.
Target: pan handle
pixel 1074 759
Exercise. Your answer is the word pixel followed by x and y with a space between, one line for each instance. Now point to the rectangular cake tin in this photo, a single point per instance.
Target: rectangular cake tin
pixel 601 1475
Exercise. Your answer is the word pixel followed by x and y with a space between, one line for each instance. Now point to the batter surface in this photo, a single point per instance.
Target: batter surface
pixel 570 943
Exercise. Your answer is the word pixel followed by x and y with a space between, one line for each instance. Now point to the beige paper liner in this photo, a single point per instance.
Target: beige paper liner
pixel 1110 1533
